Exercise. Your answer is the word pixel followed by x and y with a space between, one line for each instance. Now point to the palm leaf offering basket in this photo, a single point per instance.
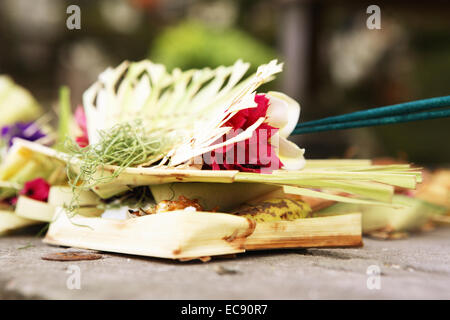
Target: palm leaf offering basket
pixel 164 140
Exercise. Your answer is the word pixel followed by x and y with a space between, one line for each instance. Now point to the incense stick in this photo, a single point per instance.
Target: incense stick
pixel 404 112
pixel 396 109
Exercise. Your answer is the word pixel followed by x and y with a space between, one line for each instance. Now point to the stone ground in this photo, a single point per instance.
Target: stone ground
pixel 413 268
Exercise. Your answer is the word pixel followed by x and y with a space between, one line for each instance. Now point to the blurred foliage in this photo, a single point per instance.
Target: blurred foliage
pixel 424 141
pixel 192 44
pixel 414 66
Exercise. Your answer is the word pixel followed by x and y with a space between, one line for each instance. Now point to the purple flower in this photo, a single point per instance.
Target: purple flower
pixel 24 130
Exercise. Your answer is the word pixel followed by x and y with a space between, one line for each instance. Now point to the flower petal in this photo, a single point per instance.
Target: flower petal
pixel 283 112
pixel 290 154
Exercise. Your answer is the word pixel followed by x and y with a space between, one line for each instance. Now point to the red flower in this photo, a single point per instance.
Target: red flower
pixel 36 189
pixel 80 118
pixel 254 154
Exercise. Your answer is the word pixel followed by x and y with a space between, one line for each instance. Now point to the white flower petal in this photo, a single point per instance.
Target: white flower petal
pixel 283 112
pixel 290 154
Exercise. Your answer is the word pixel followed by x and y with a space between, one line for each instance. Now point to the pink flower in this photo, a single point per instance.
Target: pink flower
pixel 82 141
pixel 80 118
pixel 36 189
pixel 258 153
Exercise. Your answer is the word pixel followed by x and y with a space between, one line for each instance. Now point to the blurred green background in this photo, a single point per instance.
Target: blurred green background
pixel 332 63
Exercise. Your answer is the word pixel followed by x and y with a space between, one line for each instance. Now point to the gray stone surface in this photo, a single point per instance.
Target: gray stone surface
pixel 417 267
